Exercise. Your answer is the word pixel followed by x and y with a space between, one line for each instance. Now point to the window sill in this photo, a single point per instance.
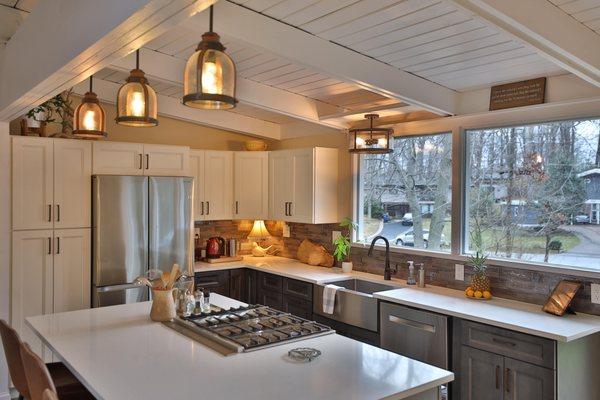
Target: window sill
pixel 550 268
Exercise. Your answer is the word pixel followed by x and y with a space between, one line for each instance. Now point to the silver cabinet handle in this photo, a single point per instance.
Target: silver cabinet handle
pixel 411 323
pixel 58 213
pixel 140 160
pixel 49 245
pixel 147 161
pixel 114 288
pixel 49 212
pixel 57 245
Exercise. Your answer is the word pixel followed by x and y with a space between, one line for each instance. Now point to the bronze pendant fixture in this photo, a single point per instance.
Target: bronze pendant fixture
pixel 89 119
pixel 136 100
pixel 371 140
pixel 209 80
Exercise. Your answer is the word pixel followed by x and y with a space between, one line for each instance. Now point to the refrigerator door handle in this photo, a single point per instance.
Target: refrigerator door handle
pixel 115 288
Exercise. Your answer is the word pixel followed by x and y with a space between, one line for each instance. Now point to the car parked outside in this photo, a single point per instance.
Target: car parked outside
pixel 408 238
pixel 407 219
pixel 582 219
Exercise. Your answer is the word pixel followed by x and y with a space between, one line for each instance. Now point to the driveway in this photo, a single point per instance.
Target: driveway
pixel 392 229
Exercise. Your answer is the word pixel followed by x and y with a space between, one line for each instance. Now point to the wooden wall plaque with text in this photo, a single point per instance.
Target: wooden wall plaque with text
pixel 518 94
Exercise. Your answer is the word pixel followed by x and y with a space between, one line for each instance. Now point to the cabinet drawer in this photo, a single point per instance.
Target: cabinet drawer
pixel 298 288
pixel 271 299
pixel 520 346
pixel 214 281
pixel 269 282
pixel 297 306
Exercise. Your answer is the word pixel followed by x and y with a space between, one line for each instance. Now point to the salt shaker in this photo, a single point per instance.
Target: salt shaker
pixel 199 300
pixel 206 301
pixel 189 302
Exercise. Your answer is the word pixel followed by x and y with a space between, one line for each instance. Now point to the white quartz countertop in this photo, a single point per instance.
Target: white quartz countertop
pixel 510 314
pixel 119 353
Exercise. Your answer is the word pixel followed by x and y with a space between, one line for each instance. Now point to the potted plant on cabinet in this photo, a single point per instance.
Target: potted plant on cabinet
pixel 343 244
pixel 58 109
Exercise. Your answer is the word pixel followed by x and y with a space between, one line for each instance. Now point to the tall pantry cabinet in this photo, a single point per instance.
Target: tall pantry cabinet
pixel 51 222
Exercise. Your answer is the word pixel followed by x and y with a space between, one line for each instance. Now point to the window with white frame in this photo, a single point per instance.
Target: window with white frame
pixel 406 195
pixel 532 193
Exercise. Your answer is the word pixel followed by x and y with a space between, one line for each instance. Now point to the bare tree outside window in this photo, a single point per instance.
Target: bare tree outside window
pixel 533 192
pixel 406 195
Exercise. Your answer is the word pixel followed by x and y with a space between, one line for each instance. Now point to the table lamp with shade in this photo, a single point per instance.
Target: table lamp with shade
pixel 259 232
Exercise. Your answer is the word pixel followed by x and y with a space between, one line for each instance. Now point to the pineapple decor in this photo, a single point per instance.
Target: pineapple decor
pixel 480 282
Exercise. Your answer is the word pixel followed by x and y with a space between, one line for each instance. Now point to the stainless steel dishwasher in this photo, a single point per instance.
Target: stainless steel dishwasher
pixel 416 334
pixel 420 335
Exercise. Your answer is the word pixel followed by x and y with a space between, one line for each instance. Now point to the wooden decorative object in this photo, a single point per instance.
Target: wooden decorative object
pixel 559 301
pixel 314 254
pixel 518 94
pixel 31 131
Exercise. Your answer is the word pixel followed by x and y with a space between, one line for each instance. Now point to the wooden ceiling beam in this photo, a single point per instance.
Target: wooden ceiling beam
pixel 543 26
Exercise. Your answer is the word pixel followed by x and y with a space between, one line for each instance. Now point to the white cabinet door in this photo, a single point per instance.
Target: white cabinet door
pixel 32 275
pixel 72 269
pixel 280 184
pixel 218 185
pixel 32 183
pixel 251 185
pixel 116 158
pixel 197 172
pixel 72 183
pixel 302 177
pixel 162 160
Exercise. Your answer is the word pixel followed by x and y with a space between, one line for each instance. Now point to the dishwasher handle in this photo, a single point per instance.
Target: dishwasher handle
pixel 413 324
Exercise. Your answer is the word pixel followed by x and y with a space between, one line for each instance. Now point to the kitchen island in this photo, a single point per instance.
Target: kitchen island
pixel 119 353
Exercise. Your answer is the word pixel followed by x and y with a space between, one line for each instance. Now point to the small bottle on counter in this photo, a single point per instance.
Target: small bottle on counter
pixel 206 301
pixel 410 280
pixel 199 297
pixel 421 275
pixel 190 303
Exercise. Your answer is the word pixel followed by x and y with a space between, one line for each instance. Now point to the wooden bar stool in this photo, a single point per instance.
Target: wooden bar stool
pixel 68 387
pixel 38 376
pixel 49 395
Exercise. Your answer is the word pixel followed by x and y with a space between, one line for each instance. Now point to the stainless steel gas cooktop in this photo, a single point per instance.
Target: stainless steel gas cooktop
pixel 247 328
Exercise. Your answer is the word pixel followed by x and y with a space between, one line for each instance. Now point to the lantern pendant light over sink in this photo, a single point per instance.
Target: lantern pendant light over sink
pixel 371 140
pixel 209 80
pixel 136 100
pixel 89 119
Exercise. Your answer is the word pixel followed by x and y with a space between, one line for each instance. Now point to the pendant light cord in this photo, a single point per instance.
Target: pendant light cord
pixel 91 77
pixel 137 59
pixel 210 23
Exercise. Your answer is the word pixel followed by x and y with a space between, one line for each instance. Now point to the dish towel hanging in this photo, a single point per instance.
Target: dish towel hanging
pixel 329 298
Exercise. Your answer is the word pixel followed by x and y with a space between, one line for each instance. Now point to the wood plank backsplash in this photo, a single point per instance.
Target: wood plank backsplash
pixel 507 282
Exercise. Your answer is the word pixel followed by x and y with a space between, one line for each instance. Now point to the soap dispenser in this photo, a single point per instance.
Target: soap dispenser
pixel 411 274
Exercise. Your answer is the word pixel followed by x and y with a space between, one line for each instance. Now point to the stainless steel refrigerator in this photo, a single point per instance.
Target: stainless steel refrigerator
pixel 138 222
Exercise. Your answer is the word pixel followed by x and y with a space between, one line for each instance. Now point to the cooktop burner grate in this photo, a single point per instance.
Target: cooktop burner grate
pixel 251 327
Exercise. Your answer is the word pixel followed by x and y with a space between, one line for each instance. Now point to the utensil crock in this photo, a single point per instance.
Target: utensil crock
pixel 163 305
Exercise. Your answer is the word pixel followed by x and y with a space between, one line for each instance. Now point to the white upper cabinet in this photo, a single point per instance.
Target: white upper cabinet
pixel 51 183
pixel 32 282
pixel 119 158
pixel 251 185
pixel 303 185
pixel 197 171
pixel 280 184
pixel 72 179
pixel 163 160
pixel 32 182
pixel 116 158
pixel 218 185
pixel 72 272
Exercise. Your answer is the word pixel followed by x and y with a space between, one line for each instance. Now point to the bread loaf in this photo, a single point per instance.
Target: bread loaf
pixel 314 254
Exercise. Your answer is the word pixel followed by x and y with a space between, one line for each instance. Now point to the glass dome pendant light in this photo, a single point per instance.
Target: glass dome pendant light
pixel 209 79
pixel 89 119
pixel 136 100
pixel 371 140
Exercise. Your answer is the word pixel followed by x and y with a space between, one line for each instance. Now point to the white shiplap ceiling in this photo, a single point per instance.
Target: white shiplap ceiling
pixel 269 69
pixel 585 11
pixel 433 39
pixel 12 13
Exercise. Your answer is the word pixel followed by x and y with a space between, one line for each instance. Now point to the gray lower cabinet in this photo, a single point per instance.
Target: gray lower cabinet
pixel 482 375
pixel 498 364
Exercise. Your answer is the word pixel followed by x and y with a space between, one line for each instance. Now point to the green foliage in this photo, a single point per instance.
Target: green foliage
pixel 343 244
pixel 376 209
pixel 478 262
pixel 60 106
pixel 555 245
